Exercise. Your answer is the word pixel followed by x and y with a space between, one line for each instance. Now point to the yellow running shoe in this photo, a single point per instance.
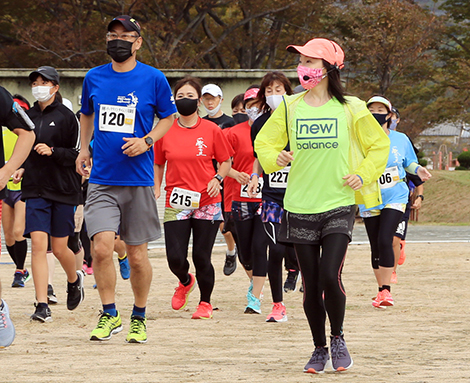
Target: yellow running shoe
pixel 107 326
pixel 138 331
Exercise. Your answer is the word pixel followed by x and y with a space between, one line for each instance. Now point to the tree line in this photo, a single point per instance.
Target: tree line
pixel 414 52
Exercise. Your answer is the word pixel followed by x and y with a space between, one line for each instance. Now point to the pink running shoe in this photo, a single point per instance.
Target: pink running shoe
pixel 378 299
pixel 386 299
pixel 203 311
pixel 180 297
pixel 89 270
pixel 402 258
pixel 394 278
pixel 278 314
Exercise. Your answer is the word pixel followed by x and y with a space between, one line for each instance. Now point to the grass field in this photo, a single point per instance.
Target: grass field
pixel 447 198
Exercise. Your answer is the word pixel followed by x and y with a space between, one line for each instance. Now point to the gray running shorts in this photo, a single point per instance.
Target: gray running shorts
pixel 129 210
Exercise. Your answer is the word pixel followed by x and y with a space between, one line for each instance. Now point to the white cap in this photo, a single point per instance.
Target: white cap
pixel 381 100
pixel 213 90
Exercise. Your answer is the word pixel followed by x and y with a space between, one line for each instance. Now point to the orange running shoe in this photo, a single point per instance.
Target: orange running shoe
pixel 402 258
pixel 278 314
pixel 386 298
pixel 203 311
pixel 180 297
pixel 394 278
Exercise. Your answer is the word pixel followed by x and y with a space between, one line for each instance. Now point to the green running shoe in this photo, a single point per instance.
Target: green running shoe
pixel 138 331
pixel 107 326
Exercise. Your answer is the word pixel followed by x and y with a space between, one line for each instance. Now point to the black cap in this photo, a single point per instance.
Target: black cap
pixel 47 72
pixel 129 23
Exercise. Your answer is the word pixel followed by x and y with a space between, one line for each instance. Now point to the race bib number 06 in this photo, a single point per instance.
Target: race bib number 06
pixel 279 179
pixel 184 199
pixel 389 178
pixel 244 190
pixel 118 119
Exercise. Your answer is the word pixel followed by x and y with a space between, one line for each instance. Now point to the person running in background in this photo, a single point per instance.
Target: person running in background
pixel 415 200
pixel 212 98
pixel 14 210
pixel 246 208
pixel 51 189
pixel 193 201
pixel 120 101
pixel 274 87
pixel 14 118
pixel 334 142
pixel 381 221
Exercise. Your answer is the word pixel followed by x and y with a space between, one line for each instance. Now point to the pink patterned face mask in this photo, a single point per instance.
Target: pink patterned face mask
pixel 310 77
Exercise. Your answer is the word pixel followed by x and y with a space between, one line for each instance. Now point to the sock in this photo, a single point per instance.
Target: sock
pixel 123 257
pixel 380 289
pixel 41 304
pixel 110 309
pixel 188 281
pixel 231 252
pixel 386 287
pixel 11 251
pixel 74 283
pixel 138 311
pixel 21 249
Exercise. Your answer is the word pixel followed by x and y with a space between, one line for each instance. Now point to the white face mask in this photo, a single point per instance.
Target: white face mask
pixel 274 101
pixel 253 113
pixel 42 93
pixel 214 111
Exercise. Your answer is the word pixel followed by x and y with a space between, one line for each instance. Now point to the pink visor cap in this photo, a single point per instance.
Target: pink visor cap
pixel 321 49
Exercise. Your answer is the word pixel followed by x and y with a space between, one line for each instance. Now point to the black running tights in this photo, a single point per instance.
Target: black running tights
pixel 381 230
pixel 323 289
pixel 177 234
pixel 253 245
pixel 277 252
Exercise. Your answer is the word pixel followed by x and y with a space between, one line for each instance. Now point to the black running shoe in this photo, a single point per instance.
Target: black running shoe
pixel 75 292
pixel 290 284
pixel 230 263
pixel 18 279
pixel 42 314
pixel 51 298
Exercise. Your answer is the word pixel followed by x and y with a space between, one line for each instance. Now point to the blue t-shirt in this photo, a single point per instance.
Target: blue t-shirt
pixel 125 105
pixel 401 155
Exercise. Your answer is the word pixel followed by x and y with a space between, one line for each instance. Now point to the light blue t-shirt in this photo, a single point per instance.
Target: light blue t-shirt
pixel 401 155
pixel 125 105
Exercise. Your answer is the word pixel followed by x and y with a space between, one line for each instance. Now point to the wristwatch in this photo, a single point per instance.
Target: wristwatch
pixel 148 141
pixel 421 196
pixel 219 178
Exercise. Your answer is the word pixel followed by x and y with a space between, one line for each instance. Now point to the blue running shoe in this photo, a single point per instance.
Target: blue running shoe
pixel 254 305
pixel 124 268
pixel 7 330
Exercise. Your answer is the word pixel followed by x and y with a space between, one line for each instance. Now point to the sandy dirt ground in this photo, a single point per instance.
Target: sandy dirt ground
pixel 424 338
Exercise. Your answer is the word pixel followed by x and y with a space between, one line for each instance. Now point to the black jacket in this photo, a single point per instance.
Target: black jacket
pixel 53 177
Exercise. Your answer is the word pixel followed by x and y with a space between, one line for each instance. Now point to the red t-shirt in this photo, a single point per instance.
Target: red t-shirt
pixel 239 136
pixel 189 153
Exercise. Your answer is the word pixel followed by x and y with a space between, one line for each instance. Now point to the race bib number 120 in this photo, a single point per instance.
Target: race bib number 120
pixel 118 119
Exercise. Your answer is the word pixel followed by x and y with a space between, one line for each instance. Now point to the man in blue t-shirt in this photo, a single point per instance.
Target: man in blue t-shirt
pixel 120 101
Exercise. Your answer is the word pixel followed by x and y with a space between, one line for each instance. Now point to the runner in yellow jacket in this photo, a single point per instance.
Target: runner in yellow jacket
pixel 338 151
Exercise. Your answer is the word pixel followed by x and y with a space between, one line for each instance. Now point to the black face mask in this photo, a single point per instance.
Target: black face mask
pixel 186 106
pixel 119 50
pixel 381 118
pixel 240 117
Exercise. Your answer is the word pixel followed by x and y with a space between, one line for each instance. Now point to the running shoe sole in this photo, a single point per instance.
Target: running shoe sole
pixel 113 331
